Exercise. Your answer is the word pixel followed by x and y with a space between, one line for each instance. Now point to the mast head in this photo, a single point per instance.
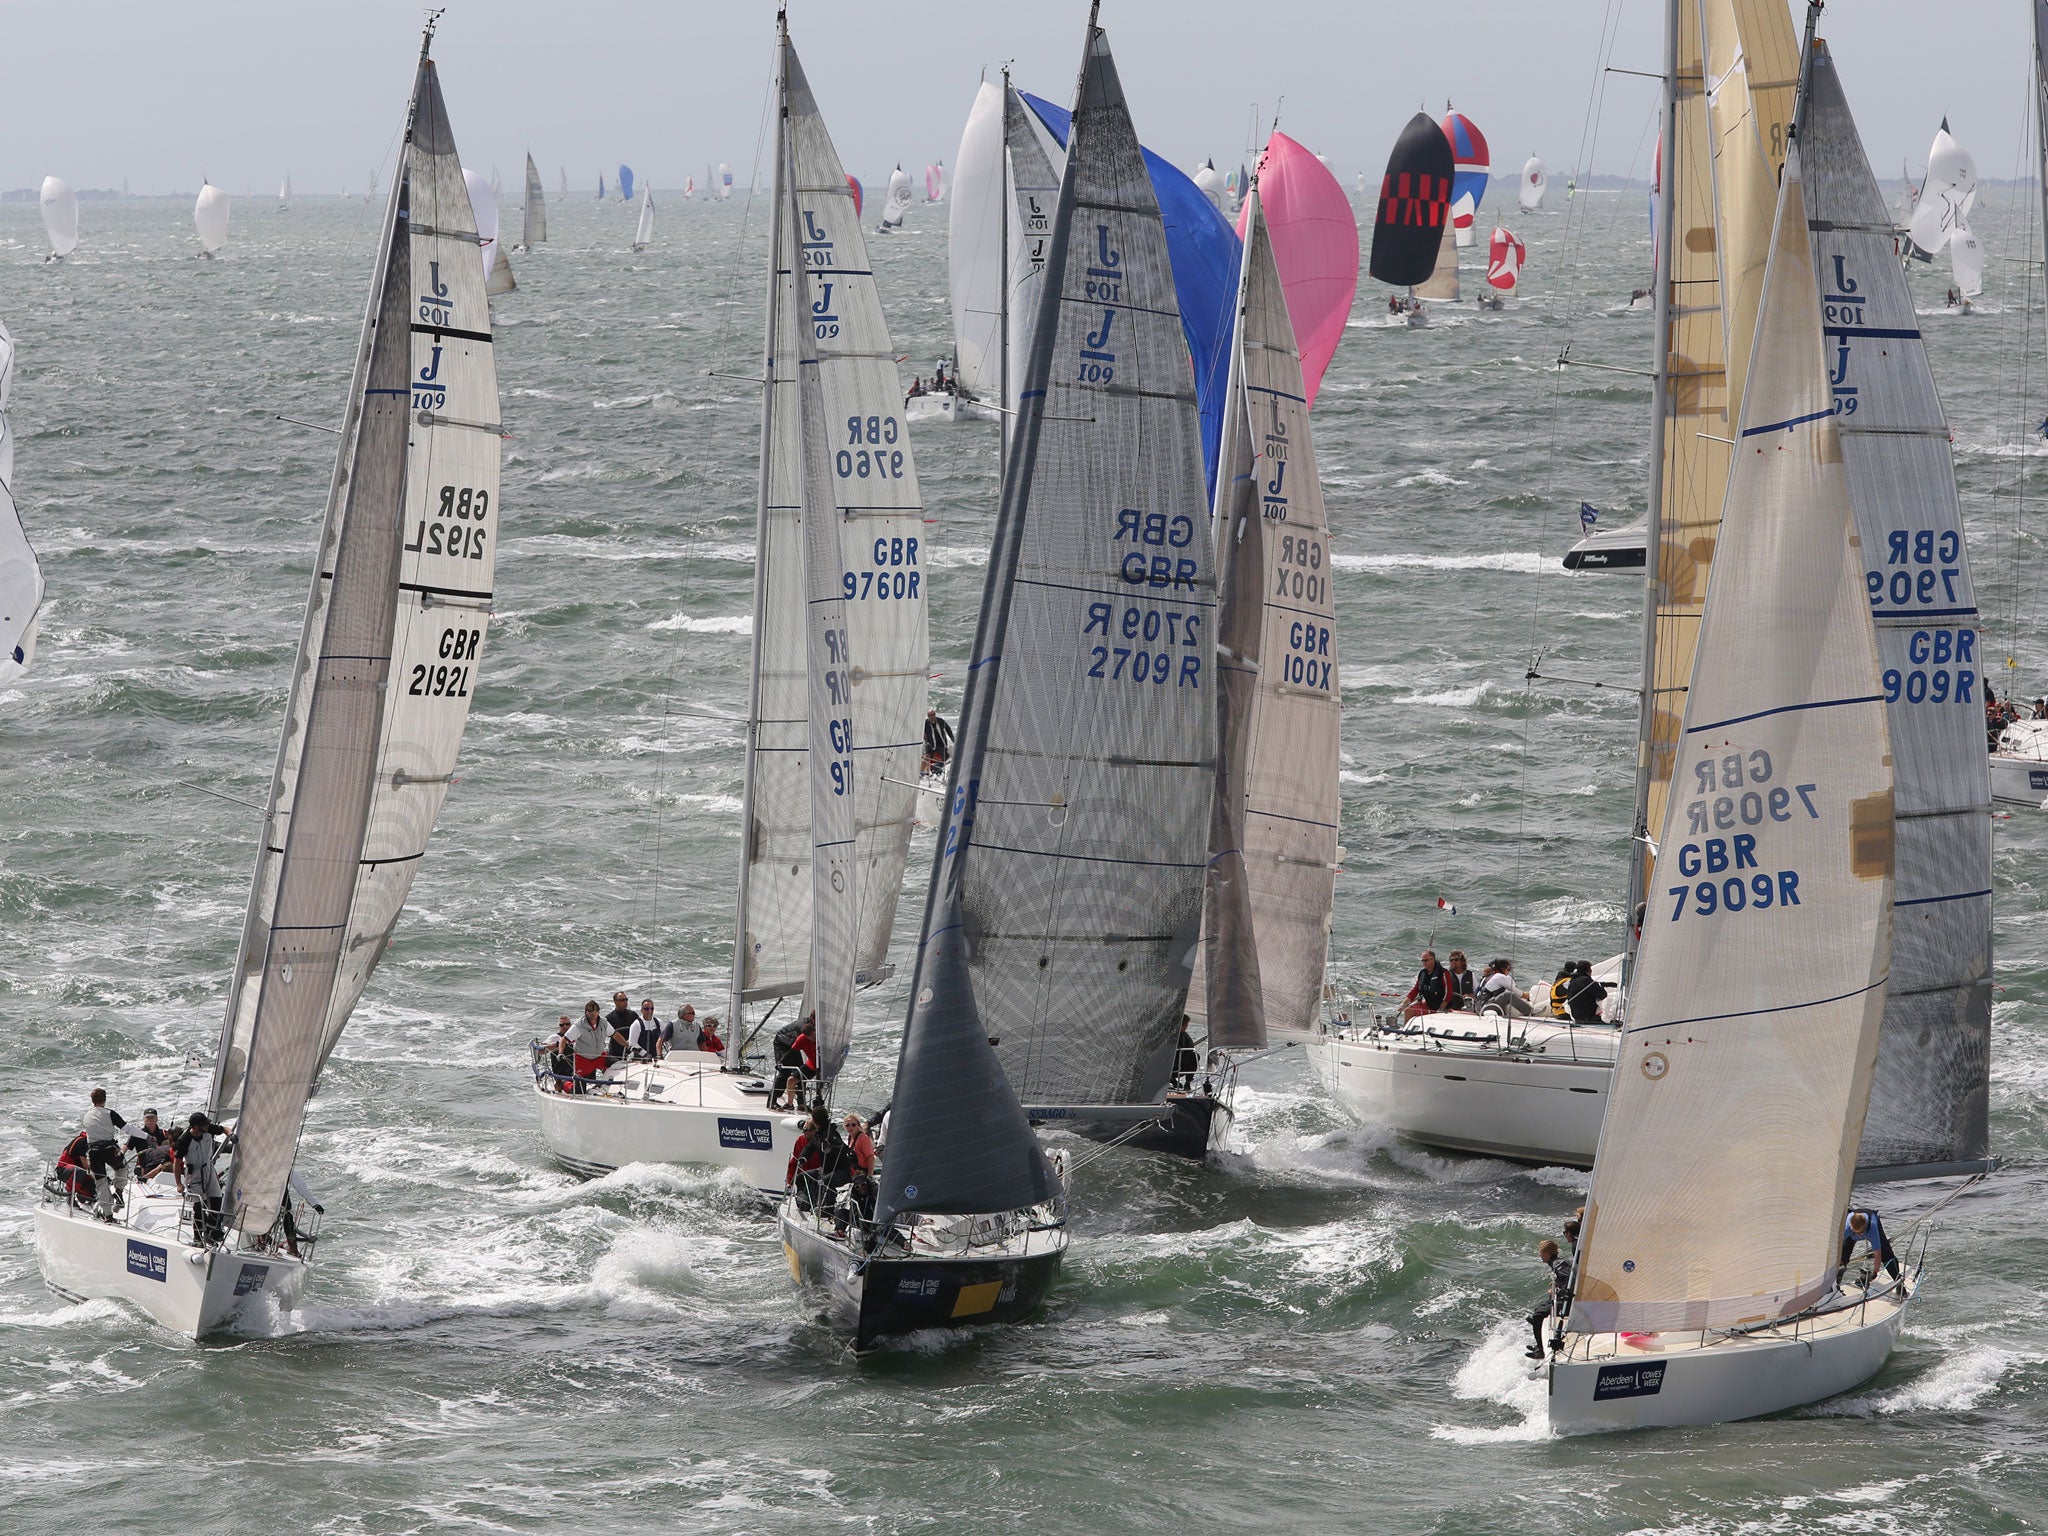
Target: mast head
pixel 434 16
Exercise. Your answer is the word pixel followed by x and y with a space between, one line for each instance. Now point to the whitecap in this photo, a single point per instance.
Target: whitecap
pixel 1428 477
pixel 1450 698
pixel 1529 561
pixel 731 624
pixel 1499 1372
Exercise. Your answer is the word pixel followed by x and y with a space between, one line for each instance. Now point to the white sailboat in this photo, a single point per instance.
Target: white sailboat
pixel 644 235
pixel 21 576
pixel 60 217
pixel 1946 197
pixel 1273 841
pixel 724 181
pixel 897 203
pixel 535 231
pixel 1708 1286
pixel 484 205
pixel 840 553
pixel 1209 182
pixel 1535 182
pixel 284 194
pixel 388 658
pixel 210 219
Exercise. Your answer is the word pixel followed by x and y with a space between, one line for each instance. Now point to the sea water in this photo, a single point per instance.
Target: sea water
pixel 1320 1331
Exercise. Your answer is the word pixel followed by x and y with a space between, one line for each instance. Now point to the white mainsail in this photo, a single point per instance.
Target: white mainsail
pixel 871 484
pixel 898 203
pixel 387 662
pixel 284 193
pixel 210 218
pixel 1442 283
pixel 1730 1138
pixel 974 247
pixel 60 215
pixel 1273 843
pixel 644 235
pixel 536 231
pixel 1535 182
pixel 21 577
pixel 1946 196
pixel 1929 1105
pixel 1966 261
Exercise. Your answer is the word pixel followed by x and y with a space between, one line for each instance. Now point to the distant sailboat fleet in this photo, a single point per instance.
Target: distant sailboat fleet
pixel 1139 818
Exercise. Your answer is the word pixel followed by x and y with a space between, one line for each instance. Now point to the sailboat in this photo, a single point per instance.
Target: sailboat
pixel 1210 180
pixel 935 182
pixel 897 203
pixel 1408 244
pixel 1066 900
pixel 21 576
pixel 563 191
pixel 1535 182
pixel 600 186
pixel 1946 197
pixel 60 217
pixel 536 230
pixel 1504 257
pixel 836 703
pixel 625 186
pixel 284 194
pixel 388 658
pixel 1273 848
pixel 2019 762
pixel 644 235
pixel 210 219
pixel 1474 172
pixel 1709 1282
pixel 724 181
pixel 484 205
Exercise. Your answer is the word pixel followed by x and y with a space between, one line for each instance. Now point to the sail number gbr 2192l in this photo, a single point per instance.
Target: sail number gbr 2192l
pixel 450 677
pixel 455 526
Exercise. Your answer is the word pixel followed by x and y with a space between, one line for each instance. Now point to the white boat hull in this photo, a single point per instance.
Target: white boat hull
pixel 188 1289
pixel 1606 1384
pixel 1536 1106
pixel 684 1110
pixel 931 409
pixel 2019 768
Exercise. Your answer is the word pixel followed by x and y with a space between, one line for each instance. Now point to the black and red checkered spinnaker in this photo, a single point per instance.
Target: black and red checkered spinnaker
pixel 1415 204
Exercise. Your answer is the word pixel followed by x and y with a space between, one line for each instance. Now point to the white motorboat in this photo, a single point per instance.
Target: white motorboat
pixel 1615 549
pixel 686 1108
pixel 2019 768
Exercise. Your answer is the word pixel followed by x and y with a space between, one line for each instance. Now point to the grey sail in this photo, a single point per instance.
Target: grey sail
pixel 387 662
pixel 536 207
pixel 1929 1103
pixel 1033 189
pixel 1079 828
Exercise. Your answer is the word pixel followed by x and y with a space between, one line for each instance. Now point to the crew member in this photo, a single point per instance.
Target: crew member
pixel 1558 1301
pixel 938 741
pixel 1187 1061
pixel 1432 987
pixel 1864 1227
pixel 622 1019
pixel 1583 995
pixel 707 1038
pixel 103 1153
pixel 151 1145
pixel 796 1061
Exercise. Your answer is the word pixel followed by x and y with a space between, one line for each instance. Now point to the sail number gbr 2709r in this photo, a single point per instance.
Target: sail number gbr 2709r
pixel 456 526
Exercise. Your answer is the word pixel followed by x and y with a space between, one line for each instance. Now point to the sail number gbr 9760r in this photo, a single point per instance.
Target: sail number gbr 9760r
pixel 456 525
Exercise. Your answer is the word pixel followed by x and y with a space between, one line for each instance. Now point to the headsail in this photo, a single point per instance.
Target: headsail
pixel 1535 182
pixel 1729 1144
pixel 1504 257
pixel 1946 197
pixel 1313 235
pixel 536 231
pixel 210 218
pixel 21 577
pixel 625 183
pixel 644 235
pixel 1474 172
pixel 1078 833
pixel 60 215
pixel 1275 826
pixel 387 662
pixel 872 486
pixel 935 182
pixel 1415 205
pixel 1930 1102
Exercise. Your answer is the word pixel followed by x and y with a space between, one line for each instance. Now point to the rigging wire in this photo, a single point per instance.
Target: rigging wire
pixel 2022 428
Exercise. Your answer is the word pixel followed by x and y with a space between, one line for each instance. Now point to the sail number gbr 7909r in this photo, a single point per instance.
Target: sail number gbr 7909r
pixel 456 526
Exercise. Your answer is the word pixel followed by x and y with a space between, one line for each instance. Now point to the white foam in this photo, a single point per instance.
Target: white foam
pixel 1450 698
pixel 730 624
pixel 1957 1384
pixel 1428 477
pixel 1500 1372
pixel 1526 561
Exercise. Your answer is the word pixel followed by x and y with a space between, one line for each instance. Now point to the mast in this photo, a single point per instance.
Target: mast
pixel 736 1034
pixel 1660 395
pixel 1003 417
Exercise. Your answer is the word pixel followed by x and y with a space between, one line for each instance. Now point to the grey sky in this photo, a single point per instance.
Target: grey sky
pixel 165 93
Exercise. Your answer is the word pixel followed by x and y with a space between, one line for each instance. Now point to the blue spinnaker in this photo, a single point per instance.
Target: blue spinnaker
pixel 1204 252
pixel 626 183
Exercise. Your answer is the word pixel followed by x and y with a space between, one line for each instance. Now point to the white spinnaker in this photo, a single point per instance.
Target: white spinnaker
pixel 724 181
pixel 644 235
pixel 536 230
pixel 210 218
pixel 899 198
pixel 873 486
pixel 1278 615
pixel 1946 196
pixel 387 664
pixel 21 578
pixel 483 204
pixel 1209 182
pixel 1929 1102
pixel 60 215
pixel 1966 261
pixel 1535 182
pixel 1730 1139
pixel 974 247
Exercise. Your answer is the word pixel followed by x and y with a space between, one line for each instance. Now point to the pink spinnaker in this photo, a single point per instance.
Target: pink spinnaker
pixel 1315 246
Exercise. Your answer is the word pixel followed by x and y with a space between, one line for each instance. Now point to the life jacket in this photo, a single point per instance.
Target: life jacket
pixel 1558 988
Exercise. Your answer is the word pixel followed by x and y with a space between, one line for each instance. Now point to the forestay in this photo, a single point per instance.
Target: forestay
pixel 1929 1104
pixel 387 662
pixel 1276 817
pixel 1079 828
pixel 1730 1139
pixel 21 577
pixel 872 485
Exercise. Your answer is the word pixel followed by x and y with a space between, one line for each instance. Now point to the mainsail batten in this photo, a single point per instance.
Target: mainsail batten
pixel 388 662
pixel 1930 1101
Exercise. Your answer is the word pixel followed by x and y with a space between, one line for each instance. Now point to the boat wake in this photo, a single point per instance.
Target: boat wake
pixel 1957 1383
pixel 1498 1371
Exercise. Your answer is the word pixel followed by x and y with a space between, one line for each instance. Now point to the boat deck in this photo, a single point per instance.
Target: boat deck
pixel 1849 1312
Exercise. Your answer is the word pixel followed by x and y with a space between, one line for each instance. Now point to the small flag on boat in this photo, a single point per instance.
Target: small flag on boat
pixel 1588 516
pixel 1445 906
